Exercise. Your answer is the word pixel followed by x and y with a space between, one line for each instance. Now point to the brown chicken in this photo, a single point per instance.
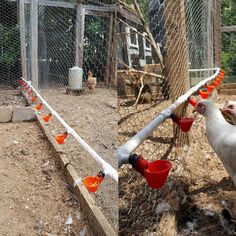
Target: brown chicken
pixel 91 82
pixel 229 110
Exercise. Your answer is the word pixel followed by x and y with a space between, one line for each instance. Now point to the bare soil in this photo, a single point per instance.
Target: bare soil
pixel 34 197
pixel 12 98
pixel 197 174
pixel 94 117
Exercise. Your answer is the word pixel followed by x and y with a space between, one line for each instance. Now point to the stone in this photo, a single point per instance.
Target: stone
pixel 5 114
pixel 23 114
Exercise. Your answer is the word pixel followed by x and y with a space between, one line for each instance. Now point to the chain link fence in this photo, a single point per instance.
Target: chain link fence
pixel 161 54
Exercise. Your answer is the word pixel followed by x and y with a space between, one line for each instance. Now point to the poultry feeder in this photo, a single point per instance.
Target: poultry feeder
pixel 155 172
pixel 210 88
pixel 221 74
pixel 218 79
pixel 39 106
pixel 33 99
pixel 92 182
pixel 60 138
pixel 192 101
pixel 184 124
pixel 27 88
pixel 215 83
pixel 204 94
pixel 47 117
pixel 22 82
pixel 30 92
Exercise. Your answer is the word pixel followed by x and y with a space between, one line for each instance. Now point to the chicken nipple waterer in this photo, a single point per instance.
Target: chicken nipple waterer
pixel 60 138
pixel 221 74
pixel 47 117
pixel 192 101
pixel 92 182
pixel 155 172
pixel 204 94
pixel 22 82
pixel 184 124
pixel 39 106
pixel 210 88
pixel 33 99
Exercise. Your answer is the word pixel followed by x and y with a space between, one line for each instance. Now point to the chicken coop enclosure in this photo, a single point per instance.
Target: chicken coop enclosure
pixel 163 49
pixel 47 38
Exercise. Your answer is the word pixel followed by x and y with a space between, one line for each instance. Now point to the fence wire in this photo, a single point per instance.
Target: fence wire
pixel 183 31
pixel 10 68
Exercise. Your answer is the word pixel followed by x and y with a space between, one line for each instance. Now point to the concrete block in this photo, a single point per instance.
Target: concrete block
pixel 23 114
pixel 5 114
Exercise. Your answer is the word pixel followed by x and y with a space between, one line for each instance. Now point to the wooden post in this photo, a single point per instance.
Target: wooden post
pixel 217 38
pixel 176 64
pixel 111 53
pixel 114 53
pixel 22 39
pixel 217 33
pixel 34 41
pixel 80 18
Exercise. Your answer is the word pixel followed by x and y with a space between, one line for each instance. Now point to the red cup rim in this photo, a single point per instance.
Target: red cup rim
pixel 87 183
pixel 169 167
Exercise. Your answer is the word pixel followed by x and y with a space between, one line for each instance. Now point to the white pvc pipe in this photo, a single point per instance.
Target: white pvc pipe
pixel 125 150
pixel 206 69
pixel 107 168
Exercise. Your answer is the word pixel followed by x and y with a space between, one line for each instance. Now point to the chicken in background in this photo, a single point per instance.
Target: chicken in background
pixel 221 135
pixel 91 82
pixel 230 109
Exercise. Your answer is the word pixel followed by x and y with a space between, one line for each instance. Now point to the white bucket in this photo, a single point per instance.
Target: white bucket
pixel 75 78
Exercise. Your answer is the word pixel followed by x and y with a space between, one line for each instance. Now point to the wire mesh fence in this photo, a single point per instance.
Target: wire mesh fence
pixel 150 76
pixel 56 49
pixel 10 67
pixel 70 35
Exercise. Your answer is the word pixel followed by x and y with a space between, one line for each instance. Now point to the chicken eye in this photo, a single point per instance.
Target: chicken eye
pixel 231 107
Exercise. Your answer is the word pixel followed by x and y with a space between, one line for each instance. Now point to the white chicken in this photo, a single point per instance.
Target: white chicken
pixel 221 135
pixel 230 109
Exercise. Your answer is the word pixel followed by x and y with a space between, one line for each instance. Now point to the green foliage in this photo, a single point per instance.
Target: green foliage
pixel 9 34
pixel 228 9
pixel 9 44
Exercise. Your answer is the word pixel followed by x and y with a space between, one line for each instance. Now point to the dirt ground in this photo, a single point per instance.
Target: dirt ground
pixel 34 197
pixel 94 117
pixel 11 98
pixel 197 176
